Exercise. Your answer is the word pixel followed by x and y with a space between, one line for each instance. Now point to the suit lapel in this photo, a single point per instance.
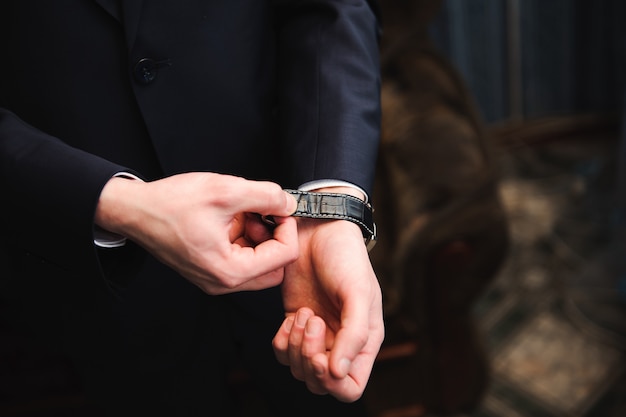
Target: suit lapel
pixel 126 12
pixel 111 6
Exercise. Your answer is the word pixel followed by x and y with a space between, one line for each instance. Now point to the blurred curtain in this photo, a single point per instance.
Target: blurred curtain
pixel 534 58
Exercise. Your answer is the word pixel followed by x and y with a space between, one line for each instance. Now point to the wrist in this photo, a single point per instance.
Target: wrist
pixel 112 211
pixel 332 205
pixel 341 190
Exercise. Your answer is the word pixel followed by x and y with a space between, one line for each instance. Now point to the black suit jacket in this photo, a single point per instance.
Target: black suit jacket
pixel 280 90
pixel 283 90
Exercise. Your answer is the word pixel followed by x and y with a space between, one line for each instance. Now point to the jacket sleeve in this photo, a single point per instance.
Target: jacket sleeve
pixel 329 90
pixel 49 195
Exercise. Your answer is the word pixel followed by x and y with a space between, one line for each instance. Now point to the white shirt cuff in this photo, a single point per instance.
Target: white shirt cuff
pixel 105 239
pixel 313 185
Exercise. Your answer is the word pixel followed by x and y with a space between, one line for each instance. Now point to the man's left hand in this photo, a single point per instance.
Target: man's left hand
pixel 334 322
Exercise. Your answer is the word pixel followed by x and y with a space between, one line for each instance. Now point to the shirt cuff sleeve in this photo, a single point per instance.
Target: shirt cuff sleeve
pixel 105 239
pixel 313 185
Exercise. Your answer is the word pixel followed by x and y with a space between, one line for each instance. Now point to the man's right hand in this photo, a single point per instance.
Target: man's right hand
pixel 199 224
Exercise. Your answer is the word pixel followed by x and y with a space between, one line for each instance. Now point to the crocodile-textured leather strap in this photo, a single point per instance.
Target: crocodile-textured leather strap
pixel 337 206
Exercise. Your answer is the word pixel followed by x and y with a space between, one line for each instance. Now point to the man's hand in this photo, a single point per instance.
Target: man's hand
pixel 334 325
pixel 200 225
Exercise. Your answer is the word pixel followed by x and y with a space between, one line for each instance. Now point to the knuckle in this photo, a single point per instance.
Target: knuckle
pixel 352 397
pixel 272 192
pixel 225 190
pixel 316 389
pixel 307 352
pixel 293 254
pixel 223 197
pixel 272 188
pixel 282 360
pixel 225 280
pixel 348 395
pixel 281 357
pixel 277 345
pixel 297 373
pixel 230 283
pixel 360 339
pixel 229 277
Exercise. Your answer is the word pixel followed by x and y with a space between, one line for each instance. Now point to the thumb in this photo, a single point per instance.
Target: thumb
pixel 265 198
pixel 350 340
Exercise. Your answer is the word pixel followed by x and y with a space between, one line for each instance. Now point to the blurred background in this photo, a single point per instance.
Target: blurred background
pixel 501 202
pixel 555 70
pixel 528 59
pixel 547 82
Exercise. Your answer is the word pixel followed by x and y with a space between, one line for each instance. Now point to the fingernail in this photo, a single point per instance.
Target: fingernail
pixel 288 324
pixel 301 319
pixel 318 369
pixel 292 203
pixel 344 366
pixel 313 328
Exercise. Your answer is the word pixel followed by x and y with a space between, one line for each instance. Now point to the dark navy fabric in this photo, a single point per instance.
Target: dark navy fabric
pixel 279 90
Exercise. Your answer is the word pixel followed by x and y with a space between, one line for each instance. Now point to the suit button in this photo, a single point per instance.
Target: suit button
pixel 146 69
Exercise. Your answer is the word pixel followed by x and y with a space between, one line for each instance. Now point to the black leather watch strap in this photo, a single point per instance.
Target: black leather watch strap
pixel 337 206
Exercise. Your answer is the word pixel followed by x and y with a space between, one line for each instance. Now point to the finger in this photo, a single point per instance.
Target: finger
pixel 368 333
pixel 263 197
pixel 351 337
pixel 315 364
pixel 249 229
pixel 255 230
pixel 321 371
pixel 314 338
pixel 280 343
pixel 244 263
pixel 347 389
pixel 351 387
pixel 237 229
pixel 294 349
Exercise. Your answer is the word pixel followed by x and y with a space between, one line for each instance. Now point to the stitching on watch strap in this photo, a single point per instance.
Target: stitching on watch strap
pixel 319 214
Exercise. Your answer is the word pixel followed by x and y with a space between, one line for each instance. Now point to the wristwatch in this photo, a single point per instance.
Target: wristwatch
pixel 337 206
